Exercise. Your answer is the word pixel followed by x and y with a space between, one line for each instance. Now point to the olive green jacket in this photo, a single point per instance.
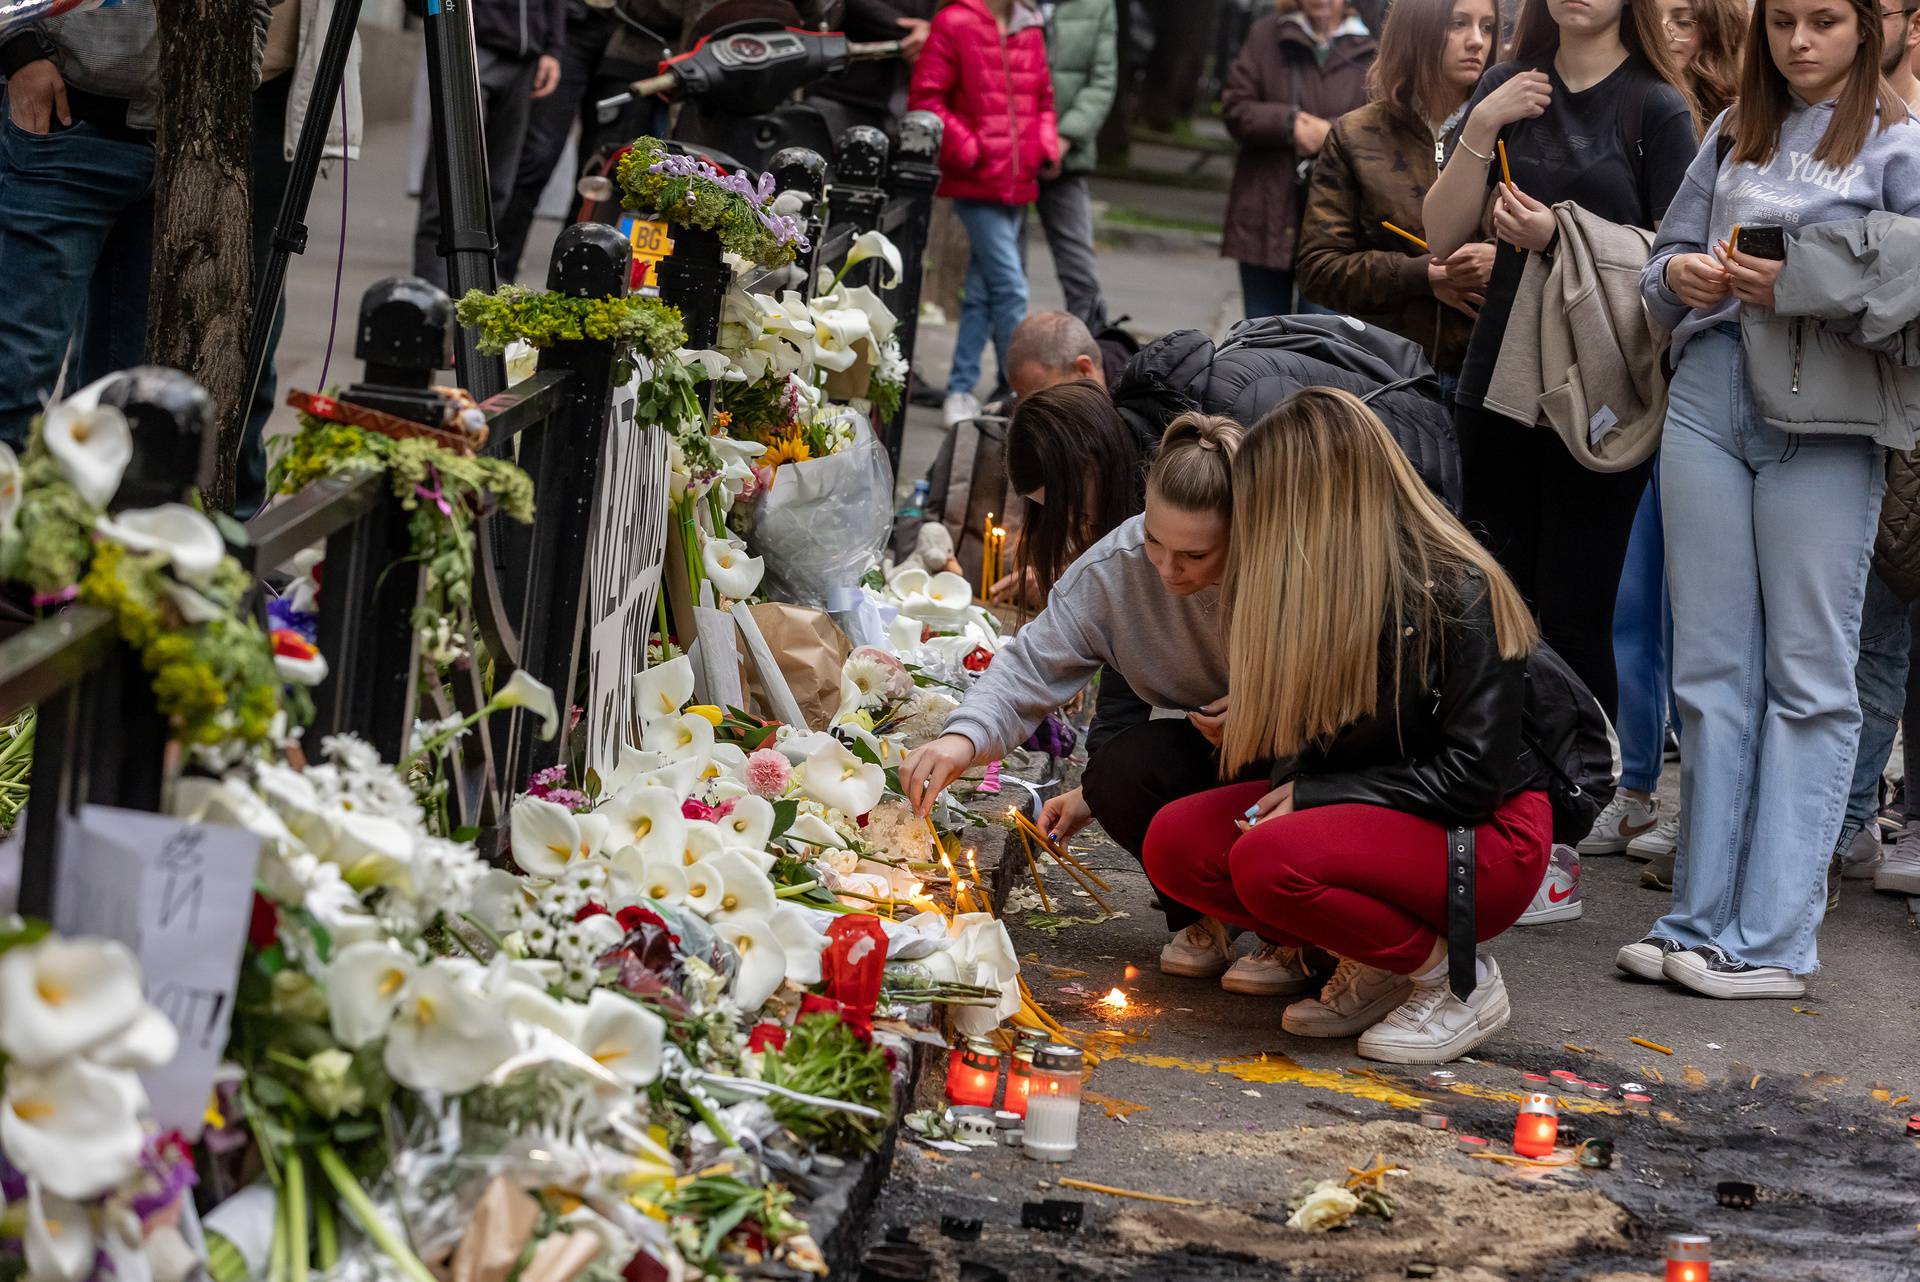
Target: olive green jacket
pixel 1085 58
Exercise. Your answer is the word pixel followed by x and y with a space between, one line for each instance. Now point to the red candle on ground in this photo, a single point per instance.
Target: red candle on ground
pixel 973 1075
pixel 1687 1257
pixel 1535 1128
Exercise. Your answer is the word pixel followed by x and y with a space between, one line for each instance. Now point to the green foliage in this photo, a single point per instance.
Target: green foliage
pixel 694 201
pixel 823 1057
pixel 886 398
pixel 52 541
pixel 635 324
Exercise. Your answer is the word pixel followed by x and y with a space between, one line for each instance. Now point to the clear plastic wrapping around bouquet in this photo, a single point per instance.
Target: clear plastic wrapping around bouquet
pixel 822 523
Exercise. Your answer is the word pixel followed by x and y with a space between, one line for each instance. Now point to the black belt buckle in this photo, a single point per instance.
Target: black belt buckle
pixel 1461 942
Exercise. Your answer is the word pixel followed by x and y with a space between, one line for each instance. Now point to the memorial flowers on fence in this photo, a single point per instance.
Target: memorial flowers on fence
pixel 637 326
pixel 694 193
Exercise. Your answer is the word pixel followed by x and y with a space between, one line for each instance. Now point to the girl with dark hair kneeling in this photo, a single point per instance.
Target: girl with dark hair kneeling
pixel 1377 653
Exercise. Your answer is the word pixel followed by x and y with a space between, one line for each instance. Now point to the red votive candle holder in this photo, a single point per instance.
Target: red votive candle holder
pixel 1019 1080
pixel 973 1075
pixel 1687 1257
pixel 1534 1130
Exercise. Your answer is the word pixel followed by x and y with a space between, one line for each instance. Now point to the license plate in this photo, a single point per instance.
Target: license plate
pixel 650 244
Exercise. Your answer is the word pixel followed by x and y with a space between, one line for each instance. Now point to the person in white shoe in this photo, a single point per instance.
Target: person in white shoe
pixel 1143 603
pixel 1773 461
pixel 1378 653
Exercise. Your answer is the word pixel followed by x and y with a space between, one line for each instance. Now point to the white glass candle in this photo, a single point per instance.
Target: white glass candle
pixel 1053 1104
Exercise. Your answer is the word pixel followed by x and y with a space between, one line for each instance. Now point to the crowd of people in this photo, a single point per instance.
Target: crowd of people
pixel 1657 257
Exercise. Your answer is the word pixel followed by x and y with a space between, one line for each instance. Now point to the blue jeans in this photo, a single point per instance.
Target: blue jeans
pixel 76 248
pixel 1769 538
pixel 1642 636
pixel 1269 291
pixel 1886 638
pixel 995 300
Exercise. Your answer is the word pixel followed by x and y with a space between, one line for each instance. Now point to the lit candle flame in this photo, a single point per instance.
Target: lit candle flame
pixel 1132 972
pixel 1115 1000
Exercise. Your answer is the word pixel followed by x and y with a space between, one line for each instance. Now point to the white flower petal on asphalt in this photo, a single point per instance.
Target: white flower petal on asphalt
pixel 545 836
pixel 447 1036
pixel 874 244
pixel 745 890
pixel 733 573
pixel 187 540
pixel 91 443
pixel 75 1128
pixel 812 830
pixel 623 1037
pixel 800 941
pixel 524 691
pixel 841 781
pixel 60 996
pixel 59 1237
pixel 648 818
pixel 662 690
pixel 763 962
pixel 748 824
pixel 149 1042
pixel 364 982
pixel 705 887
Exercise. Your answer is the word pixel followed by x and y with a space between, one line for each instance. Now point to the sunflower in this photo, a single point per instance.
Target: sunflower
pixel 786 449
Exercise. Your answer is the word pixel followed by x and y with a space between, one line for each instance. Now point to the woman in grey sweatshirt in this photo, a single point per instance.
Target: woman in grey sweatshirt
pixel 1144 603
pixel 1769 507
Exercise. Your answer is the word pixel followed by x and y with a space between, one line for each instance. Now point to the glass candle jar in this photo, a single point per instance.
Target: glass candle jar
pixel 1534 1130
pixel 1053 1103
pixel 973 1075
pixel 1019 1080
pixel 1687 1257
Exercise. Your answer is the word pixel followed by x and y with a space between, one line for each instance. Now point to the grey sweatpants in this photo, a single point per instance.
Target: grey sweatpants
pixel 1066 214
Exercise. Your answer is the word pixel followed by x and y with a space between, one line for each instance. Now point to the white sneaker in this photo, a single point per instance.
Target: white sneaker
pixel 1647 958
pixel 1663 840
pixel 1900 871
pixel 1271 970
pixel 1198 952
pixel 1434 1027
pixel 1558 898
pixel 1625 818
pixel 1863 855
pixel 1709 971
pixel 959 407
pixel 1354 1000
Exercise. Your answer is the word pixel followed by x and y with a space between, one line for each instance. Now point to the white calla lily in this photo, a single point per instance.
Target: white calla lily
pixel 371 850
pixel 904 633
pixel 874 244
pixel 653 874
pixel 149 1042
pixel 714 365
pixel 812 830
pixel 763 962
pixel 60 996
pixel 801 942
pixel 9 486
pixel 59 1238
pixel 446 1036
pixel 186 539
pixel 944 601
pixel 880 318
pixel 837 336
pixel 524 691
pixel 706 884
pixel 74 1128
pixel 546 837
pixel 729 761
pixel 623 1037
pixel 685 737
pixel 841 781
pixel 732 572
pixel 91 443
pixel 727 788
pixel 909 579
pixel 748 824
pixel 364 982
pixel 497 898
pixel 665 688
pixel 533 1006
pixel 647 818
pixel 985 955
pixel 745 890
pixel 595 831
pixel 703 841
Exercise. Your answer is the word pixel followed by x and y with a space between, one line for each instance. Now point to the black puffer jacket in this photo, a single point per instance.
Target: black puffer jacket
pixel 1447 745
pixel 1264 361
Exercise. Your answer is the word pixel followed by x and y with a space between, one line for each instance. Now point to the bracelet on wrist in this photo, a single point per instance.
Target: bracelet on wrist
pixel 1484 157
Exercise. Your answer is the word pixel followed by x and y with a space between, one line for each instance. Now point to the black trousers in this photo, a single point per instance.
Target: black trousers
pixel 1559 530
pixel 1140 770
pixel 549 120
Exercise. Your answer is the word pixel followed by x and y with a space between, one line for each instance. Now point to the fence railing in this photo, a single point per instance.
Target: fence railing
pixel 100 738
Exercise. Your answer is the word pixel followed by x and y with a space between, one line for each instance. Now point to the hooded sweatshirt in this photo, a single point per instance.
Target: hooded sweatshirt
pixel 1791 190
pixel 1109 609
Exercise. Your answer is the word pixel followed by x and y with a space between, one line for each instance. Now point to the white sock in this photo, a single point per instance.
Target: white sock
pixel 1436 974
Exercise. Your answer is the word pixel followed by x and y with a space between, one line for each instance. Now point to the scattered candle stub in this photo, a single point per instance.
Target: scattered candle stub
pixel 1632 1088
pixel 1565 1074
pixel 1737 1195
pixel 1598 1090
pixel 1115 1000
pixel 1434 1121
pixel 1538 1079
pixel 1913 1125
pixel 1441 1078
pixel 1637 1102
pixel 1472 1144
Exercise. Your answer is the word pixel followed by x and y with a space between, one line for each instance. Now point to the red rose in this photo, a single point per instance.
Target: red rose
pixel 978 660
pixel 633 916
pixel 764 1036
pixel 590 910
pixel 263 929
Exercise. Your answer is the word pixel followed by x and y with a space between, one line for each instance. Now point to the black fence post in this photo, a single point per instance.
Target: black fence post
pixel 859 197
pixel 590 260
pixel 102 740
pixel 802 171
pixel 694 278
pixel 366 625
pixel 914 177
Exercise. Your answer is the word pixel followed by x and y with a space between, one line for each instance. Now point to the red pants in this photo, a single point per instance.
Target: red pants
pixel 1363 882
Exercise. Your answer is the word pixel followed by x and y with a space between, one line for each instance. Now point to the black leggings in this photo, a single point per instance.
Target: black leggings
pixel 1558 529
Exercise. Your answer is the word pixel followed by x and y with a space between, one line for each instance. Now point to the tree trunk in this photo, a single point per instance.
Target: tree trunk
pixel 1116 133
pixel 1182 39
pixel 201 299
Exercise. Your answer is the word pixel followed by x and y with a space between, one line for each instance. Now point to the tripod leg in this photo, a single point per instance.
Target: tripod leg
pixel 460 167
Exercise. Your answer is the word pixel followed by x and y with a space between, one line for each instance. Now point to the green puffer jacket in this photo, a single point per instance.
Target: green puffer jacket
pixel 1085 59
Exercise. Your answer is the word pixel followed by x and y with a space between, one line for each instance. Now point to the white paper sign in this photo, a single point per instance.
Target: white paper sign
pixel 180 895
pixel 624 560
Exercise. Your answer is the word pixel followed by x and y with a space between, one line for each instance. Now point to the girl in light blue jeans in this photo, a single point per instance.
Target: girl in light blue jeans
pixel 1770 532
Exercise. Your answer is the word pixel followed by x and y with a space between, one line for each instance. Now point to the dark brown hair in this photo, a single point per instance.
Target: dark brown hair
pixel 1406 77
pixel 1715 69
pixel 1536 39
pixel 1069 440
pixel 1765 97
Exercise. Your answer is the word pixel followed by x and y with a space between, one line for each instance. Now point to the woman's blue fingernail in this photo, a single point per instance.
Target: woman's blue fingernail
pixel 1053 836
pixel 1252 812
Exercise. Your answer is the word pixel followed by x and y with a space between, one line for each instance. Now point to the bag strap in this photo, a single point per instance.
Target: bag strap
pixel 1461 910
pixel 1633 132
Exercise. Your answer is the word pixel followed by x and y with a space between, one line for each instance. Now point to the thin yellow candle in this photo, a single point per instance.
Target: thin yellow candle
pixel 986 900
pixel 1404 234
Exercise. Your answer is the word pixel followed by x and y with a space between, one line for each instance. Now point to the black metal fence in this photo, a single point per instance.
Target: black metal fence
pixel 101 740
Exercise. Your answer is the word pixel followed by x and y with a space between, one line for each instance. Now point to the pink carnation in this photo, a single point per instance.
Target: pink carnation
pixel 767 773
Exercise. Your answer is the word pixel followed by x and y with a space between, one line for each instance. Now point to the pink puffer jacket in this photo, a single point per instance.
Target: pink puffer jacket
pixel 995 96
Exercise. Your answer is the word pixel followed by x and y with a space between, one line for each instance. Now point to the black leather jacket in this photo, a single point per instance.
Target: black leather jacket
pixel 1456 751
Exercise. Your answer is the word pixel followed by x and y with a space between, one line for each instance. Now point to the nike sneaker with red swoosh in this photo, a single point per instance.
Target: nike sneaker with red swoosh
pixel 1558 898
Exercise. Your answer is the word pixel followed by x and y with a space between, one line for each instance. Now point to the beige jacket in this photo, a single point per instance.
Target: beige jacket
pixel 1581 355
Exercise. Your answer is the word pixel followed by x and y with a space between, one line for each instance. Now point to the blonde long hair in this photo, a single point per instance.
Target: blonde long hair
pixel 1193 470
pixel 1334 537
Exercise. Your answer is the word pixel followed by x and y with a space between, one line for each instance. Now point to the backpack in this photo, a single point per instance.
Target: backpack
pixel 1565 727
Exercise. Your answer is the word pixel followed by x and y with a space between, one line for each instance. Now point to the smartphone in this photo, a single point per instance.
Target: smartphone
pixel 1769 242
